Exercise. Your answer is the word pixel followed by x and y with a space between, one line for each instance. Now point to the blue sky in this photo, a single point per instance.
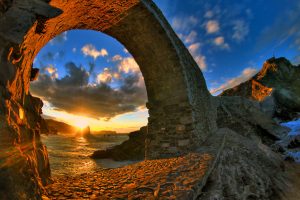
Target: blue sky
pixel 229 39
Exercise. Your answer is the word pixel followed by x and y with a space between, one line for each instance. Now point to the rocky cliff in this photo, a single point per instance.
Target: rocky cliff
pixel 54 127
pixel 276 87
pixel 24 163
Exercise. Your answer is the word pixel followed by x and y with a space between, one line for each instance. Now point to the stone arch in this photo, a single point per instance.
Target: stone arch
pixel 181 112
pixel 175 85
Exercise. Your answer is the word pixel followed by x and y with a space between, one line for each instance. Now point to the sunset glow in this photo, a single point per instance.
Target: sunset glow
pixel 121 124
pixel 81 123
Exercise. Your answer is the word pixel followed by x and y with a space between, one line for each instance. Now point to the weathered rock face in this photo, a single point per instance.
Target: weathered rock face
pixel 245 117
pixel 276 87
pixel 245 170
pixel 24 163
pixel 5 5
pixel 131 149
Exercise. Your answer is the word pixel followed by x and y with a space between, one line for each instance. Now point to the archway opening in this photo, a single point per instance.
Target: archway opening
pixel 93 95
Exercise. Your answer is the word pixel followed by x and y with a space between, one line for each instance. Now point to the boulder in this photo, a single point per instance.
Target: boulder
pixel 131 149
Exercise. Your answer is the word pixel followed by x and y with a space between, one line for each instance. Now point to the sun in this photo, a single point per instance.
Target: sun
pixel 81 124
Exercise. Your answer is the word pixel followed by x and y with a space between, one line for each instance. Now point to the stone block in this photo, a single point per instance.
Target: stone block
pixel 165 145
pixel 182 143
pixel 173 150
pixel 180 128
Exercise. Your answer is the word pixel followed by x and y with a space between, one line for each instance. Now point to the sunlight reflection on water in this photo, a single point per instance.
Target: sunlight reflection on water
pixel 69 154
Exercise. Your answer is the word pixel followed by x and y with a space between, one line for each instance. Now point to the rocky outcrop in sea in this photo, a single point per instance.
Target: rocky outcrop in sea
pixel 131 149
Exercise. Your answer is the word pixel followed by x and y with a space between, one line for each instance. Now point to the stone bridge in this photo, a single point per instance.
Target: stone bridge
pixel 181 115
pixel 180 108
pixel 184 117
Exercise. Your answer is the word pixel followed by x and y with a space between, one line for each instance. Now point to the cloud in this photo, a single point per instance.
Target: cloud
pixel 90 50
pixel 212 26
pixel 74 94
pixel 105 77
pixel 77 76
pixel 201 61
pixel 184 26
pixel 184 23
pixel 194 48
pixel 190 38
pixel 125 50
pixel 244 76
pixel 240 30
pixel 208 14
pixel 51 70
pixel 59 39
pixel 128 65
pixel 220 41
pixel 199 58
pixel 50 56
pixel 117 58
pixel 116 75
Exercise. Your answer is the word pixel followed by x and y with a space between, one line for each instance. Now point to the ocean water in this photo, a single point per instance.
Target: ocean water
pixel 69 154
pixel 295 130
pixel 294 126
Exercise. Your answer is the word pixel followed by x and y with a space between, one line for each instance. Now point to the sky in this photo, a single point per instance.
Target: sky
pixel 89 78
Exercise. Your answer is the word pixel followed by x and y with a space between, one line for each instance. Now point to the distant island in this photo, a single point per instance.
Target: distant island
pixel 53 127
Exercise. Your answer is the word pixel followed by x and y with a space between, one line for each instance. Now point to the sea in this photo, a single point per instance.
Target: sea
pixel 294 131
pixel 69 154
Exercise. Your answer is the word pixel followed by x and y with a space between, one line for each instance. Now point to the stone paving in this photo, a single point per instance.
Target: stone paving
pixel 174 178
